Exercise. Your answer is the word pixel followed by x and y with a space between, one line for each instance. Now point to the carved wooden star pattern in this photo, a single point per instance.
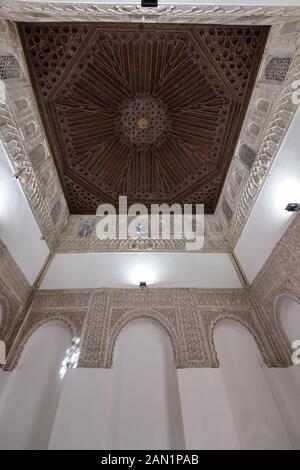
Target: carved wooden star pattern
pixel 152 112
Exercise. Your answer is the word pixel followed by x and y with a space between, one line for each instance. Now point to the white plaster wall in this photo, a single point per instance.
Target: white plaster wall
pixel 285 383
pixel 30 397
pixel 4 376
pixel 241 405
pixel 134 405
pixel 285 388
pixel 121 270
pixel 269 219
pixel 257 419
pixel 18 228
pixel 289 315
pixel 80 421
pixel 2 381
pixel 143 402
pixel 207 417
pixel 144 410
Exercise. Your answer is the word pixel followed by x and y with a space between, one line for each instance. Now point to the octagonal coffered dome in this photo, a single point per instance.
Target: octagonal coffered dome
pixel 152 112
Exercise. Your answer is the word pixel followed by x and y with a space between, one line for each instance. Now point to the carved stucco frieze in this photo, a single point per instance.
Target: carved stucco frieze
pixel 79 11
pixel 69 307
pixel 14 291
pixel 280 120
pixel 13 142
pixel 281 45
pixel 188 316
pixel 74 320
pixel 279 278
pixel 75 239
pixel 23 136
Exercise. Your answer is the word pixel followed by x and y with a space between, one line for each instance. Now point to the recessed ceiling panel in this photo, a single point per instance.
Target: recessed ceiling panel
pixel 152 112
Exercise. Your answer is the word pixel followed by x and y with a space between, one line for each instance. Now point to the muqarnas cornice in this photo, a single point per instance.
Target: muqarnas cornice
pixel 14 292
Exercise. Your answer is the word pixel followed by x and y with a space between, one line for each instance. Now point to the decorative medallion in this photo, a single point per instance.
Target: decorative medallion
pixel 143 120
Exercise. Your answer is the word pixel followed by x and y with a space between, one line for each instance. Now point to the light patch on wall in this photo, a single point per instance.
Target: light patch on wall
pixel 71 358
pixel 127 270
pixel 287 190
pixel 143 272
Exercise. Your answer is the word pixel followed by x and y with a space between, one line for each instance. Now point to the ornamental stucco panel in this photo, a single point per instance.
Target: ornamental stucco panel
pixel 14 291
pixel 79 11
pixel 23 137
pixel 279 278
pixel 187 315
pixel 69 307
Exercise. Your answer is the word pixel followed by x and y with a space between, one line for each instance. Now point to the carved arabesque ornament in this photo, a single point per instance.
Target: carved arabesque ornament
pixel 77 11
pixel 13 142
pixel 14 291
pixel 22 135
pixel 188 316
pixel 280 121
pixel 70 308
pixel 279 278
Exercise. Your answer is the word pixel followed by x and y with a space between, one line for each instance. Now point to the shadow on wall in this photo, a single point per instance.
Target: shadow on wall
pixel 252 391
pixel 144 411
pixel 33 389
pixel 285 383
pixel 288 312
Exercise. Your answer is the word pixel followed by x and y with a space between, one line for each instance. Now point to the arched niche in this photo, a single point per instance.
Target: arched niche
pixel 153 316
pixel 240 321
pixel 144 410
pixel 257 419
pixel 286 381
pixel 287 310
pixel 74 324
pixel 34 389
pixel 234 343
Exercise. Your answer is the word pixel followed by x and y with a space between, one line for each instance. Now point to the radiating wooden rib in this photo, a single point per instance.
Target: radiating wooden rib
pixel 110 68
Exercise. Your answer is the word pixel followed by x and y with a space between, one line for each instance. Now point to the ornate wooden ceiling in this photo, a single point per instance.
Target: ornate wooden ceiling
pixel 148 111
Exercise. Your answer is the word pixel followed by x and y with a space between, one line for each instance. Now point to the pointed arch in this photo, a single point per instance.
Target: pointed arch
pixel 285 294
pixel 31 327
pixel 258 341
pixel 142 313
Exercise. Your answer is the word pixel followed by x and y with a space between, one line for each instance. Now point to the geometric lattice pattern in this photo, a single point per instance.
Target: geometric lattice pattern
pixel 277 68
pixel 9 67
pixel 247 155
pixel 227 210
pixel 149 112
